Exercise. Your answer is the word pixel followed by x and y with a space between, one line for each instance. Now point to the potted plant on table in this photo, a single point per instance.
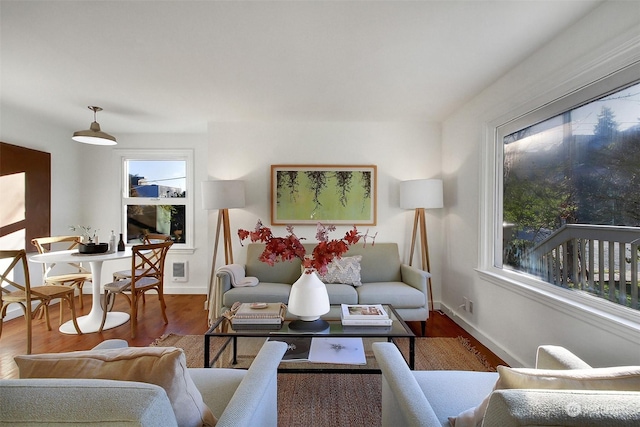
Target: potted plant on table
pixel 308 298
pixel 91 246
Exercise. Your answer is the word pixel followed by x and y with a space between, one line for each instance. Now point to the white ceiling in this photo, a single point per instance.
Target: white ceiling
pixel 174 66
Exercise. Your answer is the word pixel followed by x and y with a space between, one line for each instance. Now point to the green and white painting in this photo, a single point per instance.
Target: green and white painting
pixel 307 194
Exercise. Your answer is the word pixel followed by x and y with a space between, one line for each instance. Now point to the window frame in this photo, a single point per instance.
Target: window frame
pixel 491 193
pixel 186 155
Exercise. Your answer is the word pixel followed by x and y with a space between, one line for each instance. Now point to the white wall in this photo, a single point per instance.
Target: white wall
pixel 100 200
pixel 401 151
pixel 86 179
pixel 511 320
pixel 19 128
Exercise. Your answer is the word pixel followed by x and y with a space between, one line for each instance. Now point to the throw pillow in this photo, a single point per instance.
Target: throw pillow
pixel 617 378
pixel 344 270
pixel 163 366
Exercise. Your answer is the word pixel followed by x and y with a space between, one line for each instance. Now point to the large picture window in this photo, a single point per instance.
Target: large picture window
pixel 157 195
pixel 571 193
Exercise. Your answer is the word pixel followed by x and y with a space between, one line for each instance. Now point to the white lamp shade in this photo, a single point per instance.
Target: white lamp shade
pixel 421 193
pixel 222 194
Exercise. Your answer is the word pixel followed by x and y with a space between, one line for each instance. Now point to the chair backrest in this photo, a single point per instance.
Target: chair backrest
pixel 11 275
pixel 150 238
pixel 46 244
pixel 148 261
pixel 67 242
pixel 155 238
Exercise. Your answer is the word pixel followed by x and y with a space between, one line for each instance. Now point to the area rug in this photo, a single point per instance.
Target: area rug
pixel 340 400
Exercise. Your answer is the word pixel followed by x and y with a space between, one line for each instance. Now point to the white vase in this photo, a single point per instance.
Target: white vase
pixel 308 298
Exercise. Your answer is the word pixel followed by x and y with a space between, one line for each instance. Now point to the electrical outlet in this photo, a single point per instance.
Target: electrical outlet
pixel 471 307
pixel 465 307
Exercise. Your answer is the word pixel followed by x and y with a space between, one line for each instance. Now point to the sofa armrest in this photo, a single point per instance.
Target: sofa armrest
pixel 556 357
pixel 221 285
pixel 415 277
pixel 515 407
pixel 403 402
pixel 255 400
pixel 224 281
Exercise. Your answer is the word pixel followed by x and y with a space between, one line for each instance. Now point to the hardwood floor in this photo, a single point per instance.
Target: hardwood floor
pixel 186 316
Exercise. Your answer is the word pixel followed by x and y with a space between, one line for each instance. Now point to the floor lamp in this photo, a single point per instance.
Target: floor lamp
pixel 421 194
pixel 221 195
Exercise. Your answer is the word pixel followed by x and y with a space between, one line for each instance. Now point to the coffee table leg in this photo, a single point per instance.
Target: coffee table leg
pixel 235 350
pixel 412 353
pixel 206 351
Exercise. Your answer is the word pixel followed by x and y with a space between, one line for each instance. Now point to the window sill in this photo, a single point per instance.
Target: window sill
pixel 182 249
pixel 618 320
pixel 179 249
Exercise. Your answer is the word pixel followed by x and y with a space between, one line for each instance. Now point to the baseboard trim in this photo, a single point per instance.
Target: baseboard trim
pixel 484 339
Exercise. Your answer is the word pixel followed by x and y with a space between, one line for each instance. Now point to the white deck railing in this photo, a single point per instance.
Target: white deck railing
pixel 599 259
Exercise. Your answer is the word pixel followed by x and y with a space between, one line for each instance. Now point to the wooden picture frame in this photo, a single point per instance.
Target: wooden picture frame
pixel 330 194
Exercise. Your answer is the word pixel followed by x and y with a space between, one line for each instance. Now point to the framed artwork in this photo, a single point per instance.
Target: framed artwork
pixel 330 194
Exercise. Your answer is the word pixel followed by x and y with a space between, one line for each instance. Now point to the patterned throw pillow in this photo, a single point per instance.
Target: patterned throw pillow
pixel 345 270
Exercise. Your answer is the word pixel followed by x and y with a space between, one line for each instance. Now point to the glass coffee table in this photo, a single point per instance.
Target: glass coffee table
pixel 233 347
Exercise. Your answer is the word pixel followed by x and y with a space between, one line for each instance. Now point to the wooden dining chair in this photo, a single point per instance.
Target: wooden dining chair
pixel 15 287
pixel 147 239
pixel 74 274
pixel 147 265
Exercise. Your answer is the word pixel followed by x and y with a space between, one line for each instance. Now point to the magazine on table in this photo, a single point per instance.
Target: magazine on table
pixel 344 351
pixel 367 322
pixel 347 351
pixel 297 348
pixel 363 312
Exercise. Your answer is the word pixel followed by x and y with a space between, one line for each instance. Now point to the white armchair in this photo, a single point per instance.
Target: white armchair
pixel 237 397
pixel 429 398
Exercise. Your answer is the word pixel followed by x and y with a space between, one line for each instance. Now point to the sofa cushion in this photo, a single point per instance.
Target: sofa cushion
pixel 281 272
pixel 83 402
pixel 619 378
pixel 163 366
pixel 341 294
pixel 380 262
pixel 263 292
pixel 398 294
pixel 455 390
pixel 345 270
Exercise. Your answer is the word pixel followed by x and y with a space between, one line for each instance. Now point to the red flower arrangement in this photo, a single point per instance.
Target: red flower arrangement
pixel 289 247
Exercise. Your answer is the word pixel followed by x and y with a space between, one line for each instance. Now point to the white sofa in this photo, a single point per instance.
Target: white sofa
pixel 429 398
pixel 236 397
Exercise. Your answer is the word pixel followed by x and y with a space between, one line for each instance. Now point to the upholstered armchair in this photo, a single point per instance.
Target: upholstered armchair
pixel 236 397
pixel 561 390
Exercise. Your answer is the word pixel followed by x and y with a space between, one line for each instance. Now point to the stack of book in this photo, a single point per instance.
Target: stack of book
pixel 257 314
pixel 364 315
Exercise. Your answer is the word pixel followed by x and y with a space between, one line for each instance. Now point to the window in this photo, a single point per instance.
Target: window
pixel 157 195
pixel 570 191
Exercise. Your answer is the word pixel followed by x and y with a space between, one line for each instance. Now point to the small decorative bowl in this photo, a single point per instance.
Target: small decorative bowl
pixel 93 248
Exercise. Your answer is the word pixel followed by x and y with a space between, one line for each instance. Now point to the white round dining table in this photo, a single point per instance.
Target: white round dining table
pixel 90 322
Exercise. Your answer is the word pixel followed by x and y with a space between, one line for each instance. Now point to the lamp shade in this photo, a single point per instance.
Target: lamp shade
pixel 222 194
pixel 421 193
pixel 94 135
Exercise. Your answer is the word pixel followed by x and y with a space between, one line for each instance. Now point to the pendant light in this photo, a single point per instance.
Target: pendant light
pixel 94 135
